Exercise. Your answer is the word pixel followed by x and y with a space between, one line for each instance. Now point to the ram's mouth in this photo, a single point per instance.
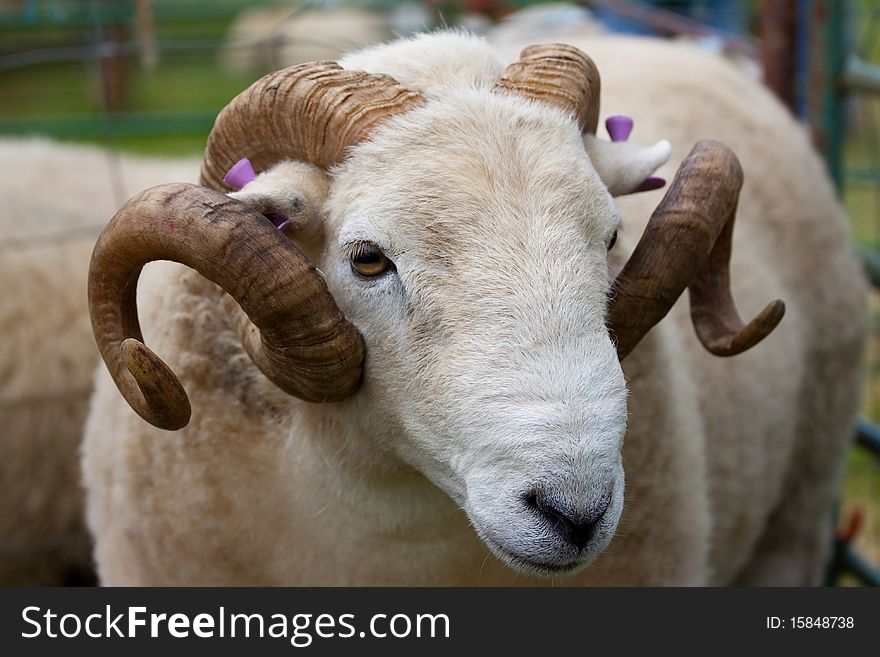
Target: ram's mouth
pixel 545 569
pixel 535 567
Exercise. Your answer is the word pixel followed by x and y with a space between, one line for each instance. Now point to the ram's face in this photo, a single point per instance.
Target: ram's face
pixel 468 243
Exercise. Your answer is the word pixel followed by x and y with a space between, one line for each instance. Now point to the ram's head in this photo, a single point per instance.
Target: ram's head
pixel 464 236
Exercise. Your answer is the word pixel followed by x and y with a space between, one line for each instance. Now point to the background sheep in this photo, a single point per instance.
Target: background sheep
pixel 731 464
pixel 556 21
pixel 266 39
pixel 56 200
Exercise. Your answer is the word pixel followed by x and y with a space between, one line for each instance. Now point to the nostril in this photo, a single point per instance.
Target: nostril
pixel 577 527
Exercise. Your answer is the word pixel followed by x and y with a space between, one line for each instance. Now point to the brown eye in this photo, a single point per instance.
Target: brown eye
pixel 612 241
pixel 369 261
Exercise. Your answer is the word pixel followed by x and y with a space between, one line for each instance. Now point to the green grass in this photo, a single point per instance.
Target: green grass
pixel 53 98
pixel 861 493
pixel 59 98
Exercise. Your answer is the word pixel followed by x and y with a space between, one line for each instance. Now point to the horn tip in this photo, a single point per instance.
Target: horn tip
pixel 772 315
pixel 167 405
pixel 752 333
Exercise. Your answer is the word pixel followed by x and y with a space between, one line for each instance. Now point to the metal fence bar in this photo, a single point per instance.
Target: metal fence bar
pixel 131 48
pixel 778 48
pixel 860 76
pixel 116 11
pixel 868 436
pixel 847 560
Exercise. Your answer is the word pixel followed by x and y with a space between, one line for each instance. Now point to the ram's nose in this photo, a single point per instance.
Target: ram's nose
pixel 575 524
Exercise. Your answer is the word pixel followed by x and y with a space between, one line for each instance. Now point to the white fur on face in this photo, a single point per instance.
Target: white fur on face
pixel 489 366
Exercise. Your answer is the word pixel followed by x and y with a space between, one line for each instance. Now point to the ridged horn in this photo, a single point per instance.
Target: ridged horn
pixel 559 75
pixel 300 339
pixel 287 319
pixel 311 112
pixel 687 243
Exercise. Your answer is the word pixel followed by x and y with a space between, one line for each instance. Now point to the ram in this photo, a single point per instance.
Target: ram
pixel 56 199
pixel 409 351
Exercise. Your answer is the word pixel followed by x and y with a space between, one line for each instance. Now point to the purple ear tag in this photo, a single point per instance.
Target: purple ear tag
pixel 619 127
pixel 240 174
pixel 649 183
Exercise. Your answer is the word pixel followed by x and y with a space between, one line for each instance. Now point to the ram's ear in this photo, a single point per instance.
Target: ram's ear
pixel 291 195
pixel 624 166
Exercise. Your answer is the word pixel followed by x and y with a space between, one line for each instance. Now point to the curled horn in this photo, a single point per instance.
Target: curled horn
pixel 687 244
pixel 287 319
pixel 559 75
pixel 688 239
pixel 310 112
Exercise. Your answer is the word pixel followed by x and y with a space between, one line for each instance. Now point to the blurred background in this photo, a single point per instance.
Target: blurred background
pixel 147 77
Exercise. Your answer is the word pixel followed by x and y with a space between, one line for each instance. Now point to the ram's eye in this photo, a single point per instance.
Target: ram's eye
pixel 612 241
pixel 369 261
